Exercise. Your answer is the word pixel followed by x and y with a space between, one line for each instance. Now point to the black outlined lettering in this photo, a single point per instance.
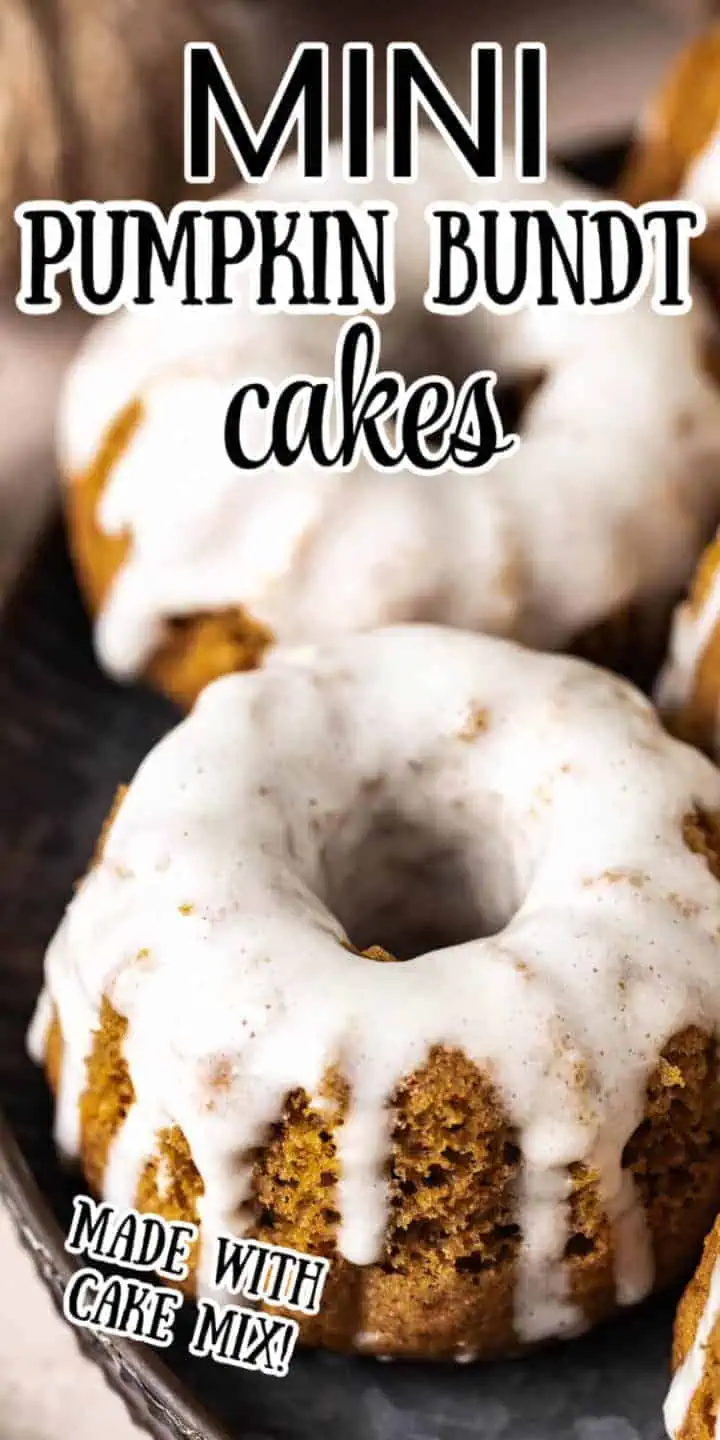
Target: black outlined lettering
pixel 358 111
pixel 130 1239
pixel 531 112
pixel 266 1275
pixel 121 1305
pixel 43 255
pixel 231 1335
pixel 414 83
pixel 363 412
pixel 212 103
pixel 605 256
pixel 671 227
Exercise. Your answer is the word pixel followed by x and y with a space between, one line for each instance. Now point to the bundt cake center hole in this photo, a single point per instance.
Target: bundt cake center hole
pixel 513 398
pixel 401 892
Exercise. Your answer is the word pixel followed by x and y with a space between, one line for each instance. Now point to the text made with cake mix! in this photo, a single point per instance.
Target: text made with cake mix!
pixel 250 1337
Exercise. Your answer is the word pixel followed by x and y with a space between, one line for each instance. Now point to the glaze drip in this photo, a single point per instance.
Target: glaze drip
pixel 206 923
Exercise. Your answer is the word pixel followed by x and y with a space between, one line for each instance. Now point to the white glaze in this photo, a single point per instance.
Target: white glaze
pixel 689 1375
pixel 263 812
pixel 607 500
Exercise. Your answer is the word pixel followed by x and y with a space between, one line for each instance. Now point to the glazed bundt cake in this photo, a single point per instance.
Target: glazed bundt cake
pixel 677 150
pixel 403 951
pixel 194 567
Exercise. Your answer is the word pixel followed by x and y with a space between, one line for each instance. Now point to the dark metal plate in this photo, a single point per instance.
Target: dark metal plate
pixel 67 739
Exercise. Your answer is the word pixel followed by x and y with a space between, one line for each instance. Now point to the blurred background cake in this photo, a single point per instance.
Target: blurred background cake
pixel 92 99
pixel 676 152
pixel 91 109
pixel 688 691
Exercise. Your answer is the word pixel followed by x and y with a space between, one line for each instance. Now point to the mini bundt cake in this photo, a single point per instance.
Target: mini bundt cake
pixel 403 950
pixel 194 567
pixel 688 690
pixel 692 1409
pixel 677 151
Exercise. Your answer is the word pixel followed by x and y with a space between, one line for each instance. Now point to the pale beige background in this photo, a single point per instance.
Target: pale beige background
pixel 604 60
